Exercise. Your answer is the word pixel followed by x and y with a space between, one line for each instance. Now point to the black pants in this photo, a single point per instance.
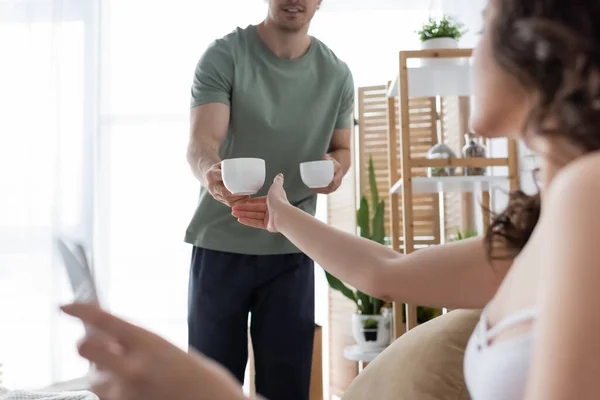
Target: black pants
pixel 278 291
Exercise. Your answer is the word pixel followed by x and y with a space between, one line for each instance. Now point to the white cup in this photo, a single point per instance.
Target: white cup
pixel 317 174
pixel 243 176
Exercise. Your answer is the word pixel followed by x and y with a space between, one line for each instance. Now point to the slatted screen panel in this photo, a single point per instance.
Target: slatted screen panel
pixel 372 117
pixel 341 213
pixel 423 135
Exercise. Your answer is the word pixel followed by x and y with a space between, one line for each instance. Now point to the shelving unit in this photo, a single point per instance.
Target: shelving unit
pixel 446 80
pixel 459 184
pixel 408 183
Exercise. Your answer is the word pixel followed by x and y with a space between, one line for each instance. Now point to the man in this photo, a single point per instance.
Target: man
pixel 273 92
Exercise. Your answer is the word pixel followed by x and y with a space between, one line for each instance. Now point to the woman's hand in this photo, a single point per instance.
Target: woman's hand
pixel 262 212
pixel 135 364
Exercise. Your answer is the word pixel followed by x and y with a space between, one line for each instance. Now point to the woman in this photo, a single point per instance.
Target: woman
pixel 536 75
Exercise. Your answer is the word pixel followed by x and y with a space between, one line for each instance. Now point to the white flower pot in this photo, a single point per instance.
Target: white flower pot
pixel 376 337
pixel 436 44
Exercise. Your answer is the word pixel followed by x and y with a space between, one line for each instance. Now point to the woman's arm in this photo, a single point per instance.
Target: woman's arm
pixel 455 275
pixel 566 357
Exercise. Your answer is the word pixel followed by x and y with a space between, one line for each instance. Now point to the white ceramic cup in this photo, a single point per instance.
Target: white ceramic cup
pixel 243 176
pixel 317 174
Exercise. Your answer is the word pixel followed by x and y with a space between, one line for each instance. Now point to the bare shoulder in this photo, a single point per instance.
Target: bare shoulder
pixel 576 188
pixel 569 225
pixel 565 359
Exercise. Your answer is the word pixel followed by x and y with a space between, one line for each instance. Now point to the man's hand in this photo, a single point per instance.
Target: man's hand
pixel 338 175
pixel 215 186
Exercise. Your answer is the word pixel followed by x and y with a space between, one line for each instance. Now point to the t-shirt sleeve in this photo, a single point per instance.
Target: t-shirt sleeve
pixel 213 77
pixel 344 118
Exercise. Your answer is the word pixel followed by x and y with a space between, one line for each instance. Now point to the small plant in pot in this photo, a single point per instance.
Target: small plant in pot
pixel 443 33
pixel 370 329
pixel 371 324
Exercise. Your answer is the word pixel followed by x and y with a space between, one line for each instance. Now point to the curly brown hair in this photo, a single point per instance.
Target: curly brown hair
pixel 552 47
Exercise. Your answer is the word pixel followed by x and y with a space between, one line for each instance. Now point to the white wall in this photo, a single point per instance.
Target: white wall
pixel 469 12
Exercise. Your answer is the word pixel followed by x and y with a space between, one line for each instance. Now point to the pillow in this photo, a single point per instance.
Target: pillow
pixel 426 363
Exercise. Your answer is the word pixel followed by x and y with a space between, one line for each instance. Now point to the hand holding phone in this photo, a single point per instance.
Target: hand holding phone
pixel 79 273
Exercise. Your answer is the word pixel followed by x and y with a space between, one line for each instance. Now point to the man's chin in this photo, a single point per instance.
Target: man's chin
pixel 291 26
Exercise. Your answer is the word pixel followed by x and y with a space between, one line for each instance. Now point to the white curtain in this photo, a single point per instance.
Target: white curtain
pixel 46 163
pixel 147 192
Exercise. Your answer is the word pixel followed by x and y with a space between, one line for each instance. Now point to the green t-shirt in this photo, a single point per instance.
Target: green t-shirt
pixel 283 111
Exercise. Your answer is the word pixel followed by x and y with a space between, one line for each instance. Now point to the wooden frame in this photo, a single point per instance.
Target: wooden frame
pixel 408 163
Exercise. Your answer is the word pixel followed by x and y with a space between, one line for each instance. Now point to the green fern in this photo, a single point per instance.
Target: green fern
pixel 469 234
pixel 371 224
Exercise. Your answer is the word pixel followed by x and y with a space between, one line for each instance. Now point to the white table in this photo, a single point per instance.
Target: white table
pixel 360 355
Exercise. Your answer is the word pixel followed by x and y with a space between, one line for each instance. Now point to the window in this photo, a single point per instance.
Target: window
pixel 92 143
pixel 147 191
pixel 45 164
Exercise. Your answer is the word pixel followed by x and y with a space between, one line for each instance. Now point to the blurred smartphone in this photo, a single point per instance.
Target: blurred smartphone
pixel 79 273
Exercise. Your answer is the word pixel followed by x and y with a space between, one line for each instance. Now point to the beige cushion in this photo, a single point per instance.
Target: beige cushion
pixel 425 363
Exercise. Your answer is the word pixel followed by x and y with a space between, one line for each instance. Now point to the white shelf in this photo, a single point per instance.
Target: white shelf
pixel 430 81
pixel 356 353
pixel 461 184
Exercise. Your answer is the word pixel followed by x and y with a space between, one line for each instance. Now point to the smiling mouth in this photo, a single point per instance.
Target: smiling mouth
pixel 293 9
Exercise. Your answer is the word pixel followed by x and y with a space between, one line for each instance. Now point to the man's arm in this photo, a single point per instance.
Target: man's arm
pixel 339 148
pixel 339 152
pixel 339 145
pixel 208 127
pixel 209 119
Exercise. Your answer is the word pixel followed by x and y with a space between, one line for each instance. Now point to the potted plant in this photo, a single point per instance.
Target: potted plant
pixel 440 34
pixel 372 321
pixel 371 324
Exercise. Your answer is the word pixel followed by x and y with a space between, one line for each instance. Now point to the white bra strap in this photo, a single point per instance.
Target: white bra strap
pixel 512 320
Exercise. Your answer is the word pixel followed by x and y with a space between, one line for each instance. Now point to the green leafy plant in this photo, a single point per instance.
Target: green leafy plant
pixel 467 235
pixel 446 27
pixel 372 227
pixel 425 314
